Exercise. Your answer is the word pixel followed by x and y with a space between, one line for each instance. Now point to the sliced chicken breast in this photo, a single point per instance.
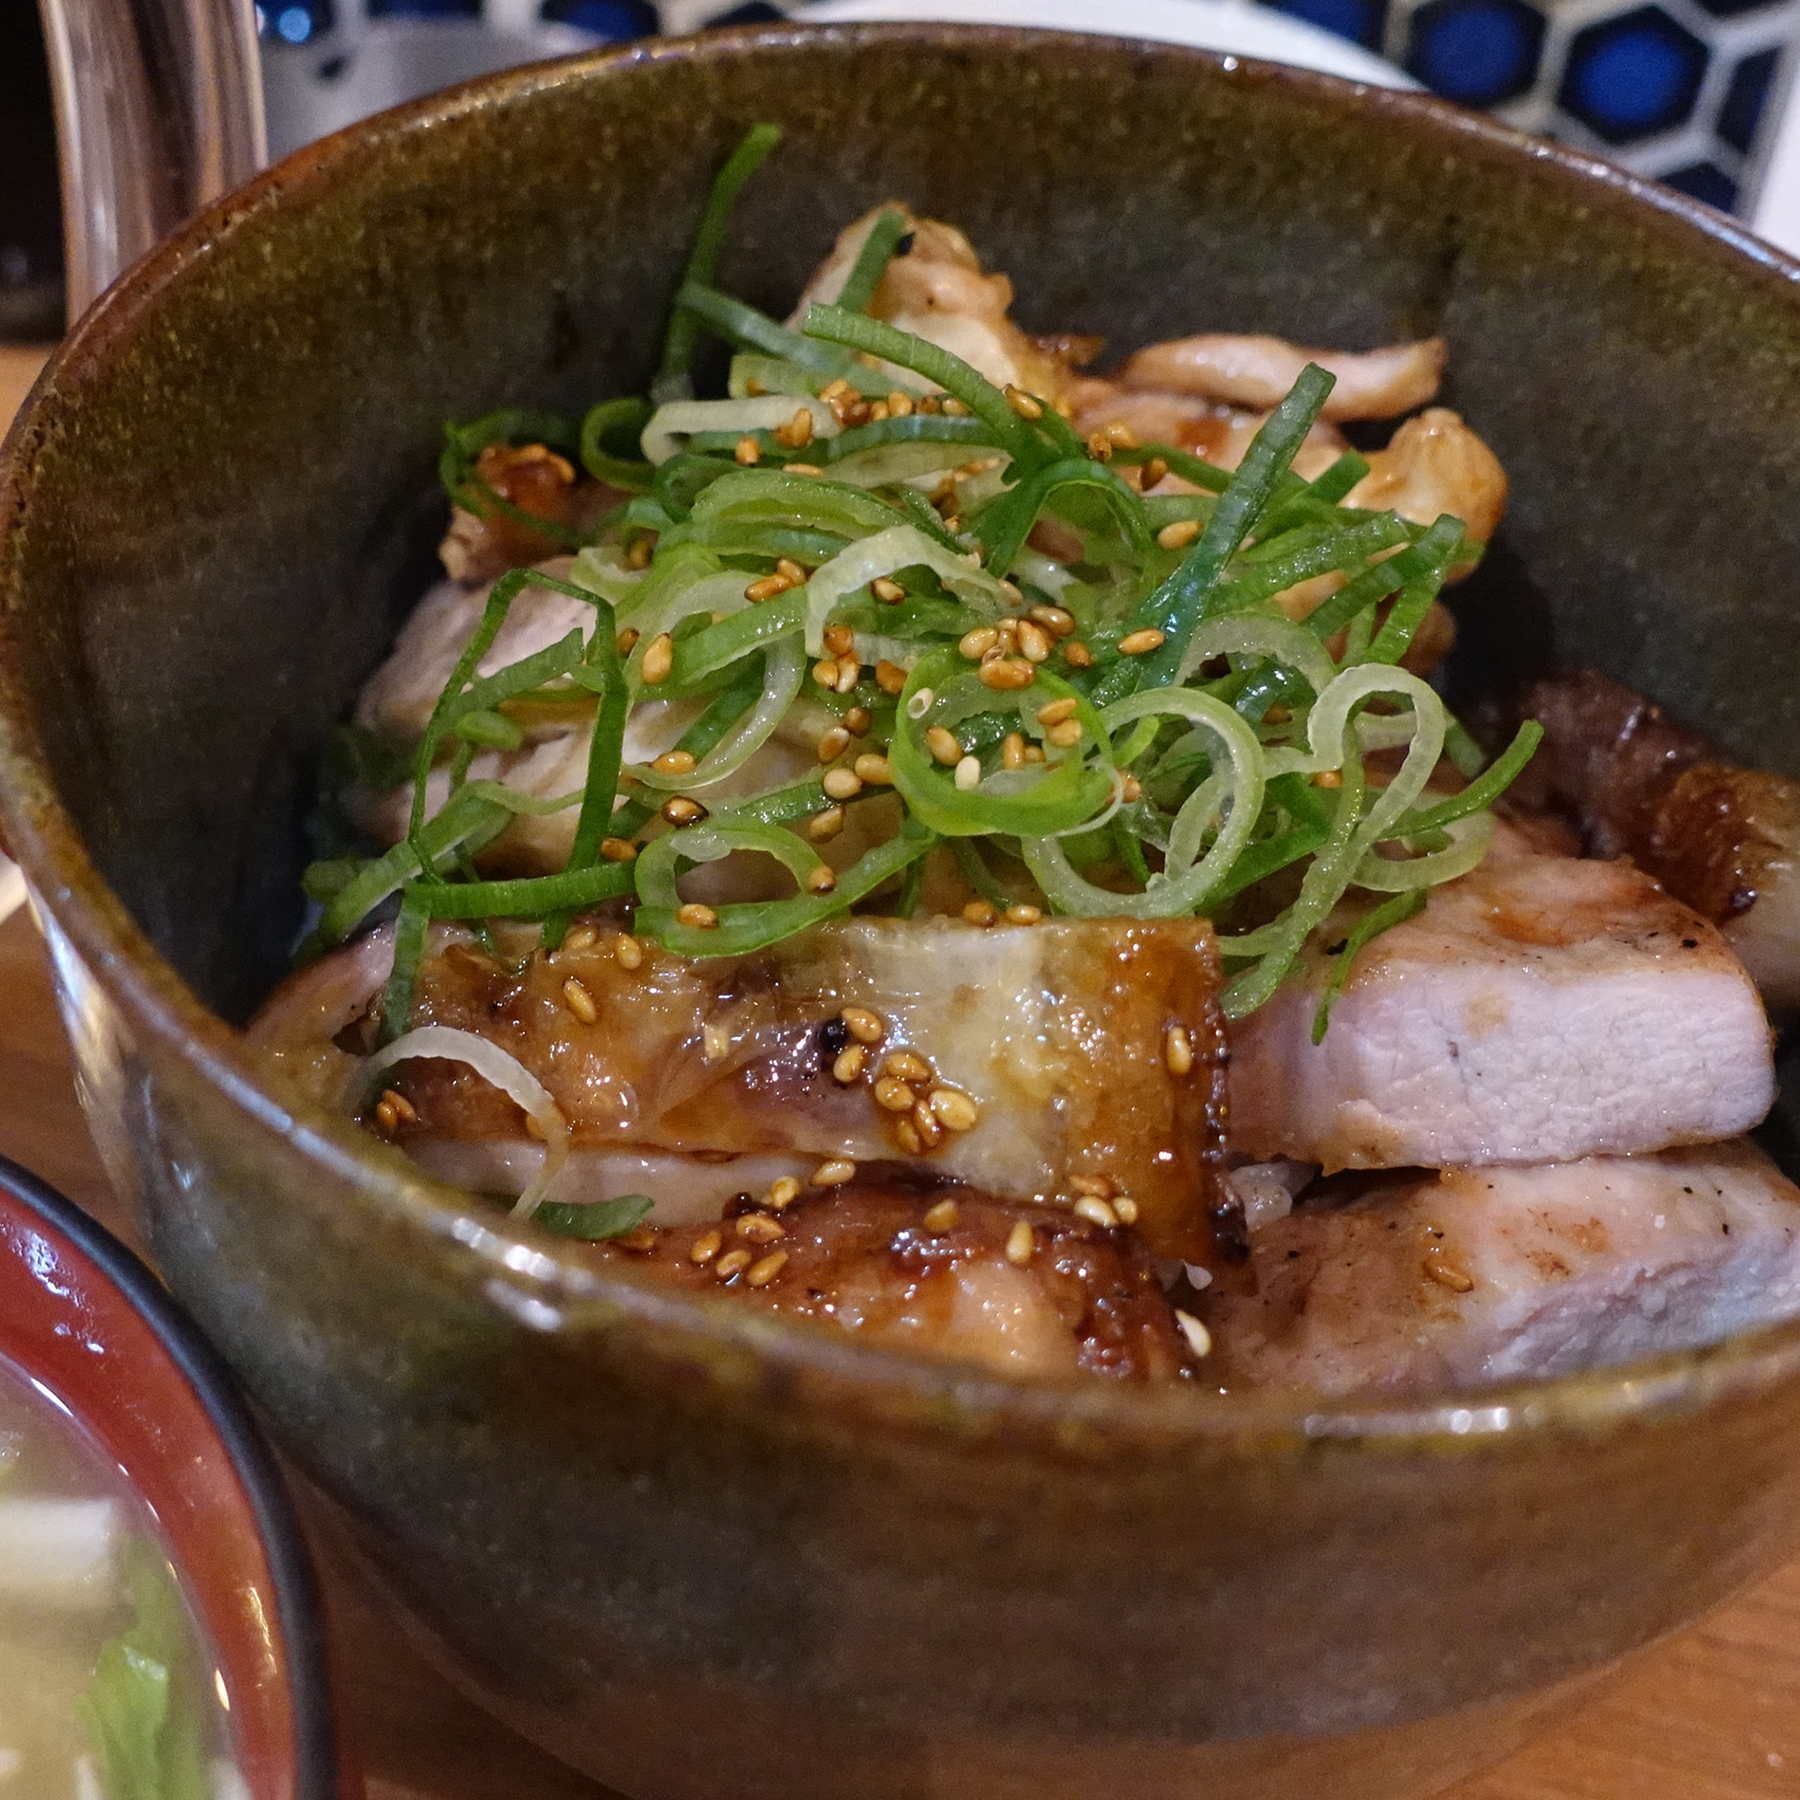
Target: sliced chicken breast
pixel 1537 1009
pixel 1067 1059
pixel 948 1272
pixel 1259 371
pixel 1422 1282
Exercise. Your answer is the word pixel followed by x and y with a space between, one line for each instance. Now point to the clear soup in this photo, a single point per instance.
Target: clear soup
pixel 107 1689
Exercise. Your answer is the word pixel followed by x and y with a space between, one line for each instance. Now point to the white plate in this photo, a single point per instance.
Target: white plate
pixel 1233 26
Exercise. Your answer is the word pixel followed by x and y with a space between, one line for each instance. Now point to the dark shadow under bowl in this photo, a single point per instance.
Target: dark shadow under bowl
pixel 691 1550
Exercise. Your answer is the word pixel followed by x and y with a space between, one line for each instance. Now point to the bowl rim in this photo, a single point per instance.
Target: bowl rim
pixel 89 926
pixel 317 1771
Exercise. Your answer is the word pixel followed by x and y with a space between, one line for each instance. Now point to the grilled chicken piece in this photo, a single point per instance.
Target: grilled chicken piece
pixel 1422 1281
pixel 1538 1009
pixel 1257 372
pixel 948 1272
pixel 1210 429
pixel 1725 840
pixel 535 480
pixel 1435 464
pixel 933 287
pixel 1030 1061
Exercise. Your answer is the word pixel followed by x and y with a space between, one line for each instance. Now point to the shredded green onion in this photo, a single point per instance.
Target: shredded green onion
pixel 1203 743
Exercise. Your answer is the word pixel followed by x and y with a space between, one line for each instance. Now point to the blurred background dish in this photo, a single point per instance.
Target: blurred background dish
pixel 159 1625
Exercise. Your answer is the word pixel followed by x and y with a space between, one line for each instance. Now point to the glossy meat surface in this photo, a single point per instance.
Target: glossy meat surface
pixel 1258 372
pixel 1538 1009
pixel 1424 1281
pixel 1726 840
pixel 1055 1033
pixel 946 1272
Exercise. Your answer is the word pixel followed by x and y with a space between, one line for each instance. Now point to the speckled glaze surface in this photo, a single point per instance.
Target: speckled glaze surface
pixel 700 1554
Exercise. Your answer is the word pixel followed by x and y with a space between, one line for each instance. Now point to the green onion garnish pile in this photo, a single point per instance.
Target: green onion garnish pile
pixel 1143 728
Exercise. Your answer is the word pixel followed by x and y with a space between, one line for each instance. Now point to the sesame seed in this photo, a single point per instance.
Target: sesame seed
pixel 977 643
pixel 849 672
pixel 733 1262
pixel 790 571
pixel 803 469
pixel 1057 710
pixel 768 587
pixel 638 556
pixel 1178 534
pixel 954 407
pixel 579 1001
pixel 942 1216
pixel 968 774
pixel 907 1138
pixel 925 1122
pixel 1003 674
pixel 628 953
pixel 825 672
pixel 858 720
pixel 889 676
pixel 705 1247
pixel 907 1065
pixel 821 880
pixel 842 784
pixel 748 451
pixel 388 1118
pixel 1447 1274
pixel 659 659
pixel 1078 655
pixel 784 1192
pixel 955 1110
pixel 1121 436
pixel 832 744
pixel 890 592
pixel 979 912
pixel 1134 789
pixel 873 768
pixel 640 1239
pixel 920 704
pixel 1178 1052
pixel 899 405
pixel 943 747
pixel 840 640
pixel 1064 736
pixel 759 1228
pixel 931 403
pixel 1140 643
pixel 1095 1211
pixel 833 389
pixel 697 917
pixel 796 434
pixel 865 1026
pixel 627 640
pixel 1099 446
pixel 1198 1337
pixel 1021 1241
pixel 834 1173
pixel 1055 619
pixel 1025 405
pixel 1012 751
pixel 1101 1187
pixel 1329 778
pixel 583 937
pixel 1153 473
pixel 617 850
pixel 675 762
pixel 1034 642
pixel 894 1096
pixel 1127 1209
pixel 849 1064
pixel 680 810
pixel 826 825
pixel 765 1271
pixel 1020 914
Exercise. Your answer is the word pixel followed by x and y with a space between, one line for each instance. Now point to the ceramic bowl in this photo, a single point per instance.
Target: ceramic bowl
pixel 688 1548
pixel 90 1326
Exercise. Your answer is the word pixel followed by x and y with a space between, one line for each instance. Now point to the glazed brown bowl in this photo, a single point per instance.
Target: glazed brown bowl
pixel 693 1550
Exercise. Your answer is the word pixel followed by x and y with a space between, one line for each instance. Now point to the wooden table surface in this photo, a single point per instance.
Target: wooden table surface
pixel 1715 1716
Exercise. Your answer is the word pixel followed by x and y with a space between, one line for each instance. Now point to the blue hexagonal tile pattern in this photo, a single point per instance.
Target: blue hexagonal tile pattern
pixel 1481 52
pixel 1633 76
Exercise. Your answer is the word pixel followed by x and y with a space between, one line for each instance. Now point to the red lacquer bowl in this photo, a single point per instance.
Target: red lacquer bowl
pixel 84 1319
